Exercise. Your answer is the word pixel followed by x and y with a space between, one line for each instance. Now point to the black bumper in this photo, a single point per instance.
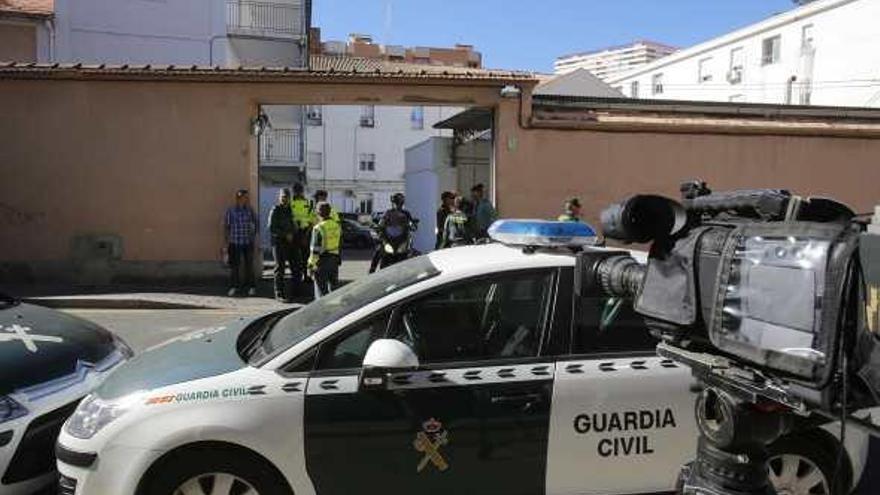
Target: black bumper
pixel 73 458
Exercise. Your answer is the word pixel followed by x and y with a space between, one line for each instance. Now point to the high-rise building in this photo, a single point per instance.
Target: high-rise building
pixel 606 63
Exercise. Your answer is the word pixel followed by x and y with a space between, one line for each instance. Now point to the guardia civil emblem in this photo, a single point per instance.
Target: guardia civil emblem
pixel 429 441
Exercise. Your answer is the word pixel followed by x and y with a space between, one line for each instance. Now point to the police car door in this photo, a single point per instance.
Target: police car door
pixel 622 419
pixel 472 419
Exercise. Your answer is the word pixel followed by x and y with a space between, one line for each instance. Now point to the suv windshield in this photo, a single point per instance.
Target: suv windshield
pixel 296 326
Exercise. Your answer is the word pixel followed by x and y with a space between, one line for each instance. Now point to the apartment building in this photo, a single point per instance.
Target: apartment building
pixel 26 28
pixel 225 33
pixel 607 63
pixel 822 52
pixel 363 46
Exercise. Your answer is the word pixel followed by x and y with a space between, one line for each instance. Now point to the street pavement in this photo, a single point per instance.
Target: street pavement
pixel 144 328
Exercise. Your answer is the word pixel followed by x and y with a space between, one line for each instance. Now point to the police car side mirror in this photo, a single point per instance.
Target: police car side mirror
pixel 383 357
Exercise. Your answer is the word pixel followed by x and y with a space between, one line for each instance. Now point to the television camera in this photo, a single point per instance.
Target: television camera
pixel 770 298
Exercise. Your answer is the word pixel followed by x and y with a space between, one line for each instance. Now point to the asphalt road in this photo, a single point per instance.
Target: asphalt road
pixel 142 329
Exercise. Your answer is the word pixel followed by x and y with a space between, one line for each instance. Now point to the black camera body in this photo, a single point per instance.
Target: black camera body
pixel 767 280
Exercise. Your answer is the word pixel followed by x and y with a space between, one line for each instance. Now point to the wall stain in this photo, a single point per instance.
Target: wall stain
pixel 10 215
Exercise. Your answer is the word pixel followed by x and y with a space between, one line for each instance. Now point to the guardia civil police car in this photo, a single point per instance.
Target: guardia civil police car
pixel 48 361
pixel 468 370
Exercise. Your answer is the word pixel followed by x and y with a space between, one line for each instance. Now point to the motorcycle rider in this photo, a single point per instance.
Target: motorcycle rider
pixel 396 223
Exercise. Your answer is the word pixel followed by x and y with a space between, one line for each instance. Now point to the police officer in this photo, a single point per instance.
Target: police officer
pixel 284 231
pixel 301 210
pixel 321 196
pixel 572 211
pixel 457 229
pixel 447 200
pixel 324 260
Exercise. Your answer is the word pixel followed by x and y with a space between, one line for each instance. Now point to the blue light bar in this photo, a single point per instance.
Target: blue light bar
pixel 542 233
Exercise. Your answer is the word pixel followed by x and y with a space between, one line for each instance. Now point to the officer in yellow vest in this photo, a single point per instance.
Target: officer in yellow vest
pixel 302 217
pixel 321 196
pixel 572 211
pixel 324 260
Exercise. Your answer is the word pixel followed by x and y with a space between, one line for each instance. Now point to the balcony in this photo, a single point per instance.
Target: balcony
pixel 265 19
pixel 281 147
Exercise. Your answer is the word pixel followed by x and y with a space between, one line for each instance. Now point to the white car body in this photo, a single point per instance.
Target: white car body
pixel 265 411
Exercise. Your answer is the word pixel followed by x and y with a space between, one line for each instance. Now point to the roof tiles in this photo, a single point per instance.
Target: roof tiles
pixel 28 7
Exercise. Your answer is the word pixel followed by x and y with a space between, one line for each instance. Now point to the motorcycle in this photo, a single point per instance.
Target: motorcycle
pixel 397 244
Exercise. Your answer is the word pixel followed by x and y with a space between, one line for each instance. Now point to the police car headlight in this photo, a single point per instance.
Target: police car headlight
pixel 94 413
pixel 10 409
pixel 389 249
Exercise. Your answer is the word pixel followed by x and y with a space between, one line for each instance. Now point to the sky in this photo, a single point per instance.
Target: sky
pixel 528 35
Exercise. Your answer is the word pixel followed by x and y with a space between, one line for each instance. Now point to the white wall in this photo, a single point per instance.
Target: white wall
pixel 161 32
pixel 846 58
pixel 340 140
pixel 429 172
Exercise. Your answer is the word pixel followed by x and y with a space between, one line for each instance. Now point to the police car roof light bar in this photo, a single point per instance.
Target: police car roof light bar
pixel 543 233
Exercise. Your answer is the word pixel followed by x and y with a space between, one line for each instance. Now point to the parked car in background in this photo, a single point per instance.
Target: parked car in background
pixel 357 235
pixel 48 361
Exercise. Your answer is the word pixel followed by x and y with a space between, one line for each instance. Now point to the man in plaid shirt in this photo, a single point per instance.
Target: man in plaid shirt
pixel 240 226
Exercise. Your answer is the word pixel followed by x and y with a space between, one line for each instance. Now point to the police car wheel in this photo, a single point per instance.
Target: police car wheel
pixel 805 463
pixel 215 473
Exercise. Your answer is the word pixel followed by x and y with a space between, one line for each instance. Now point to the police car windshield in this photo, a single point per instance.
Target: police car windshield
pixel 298 325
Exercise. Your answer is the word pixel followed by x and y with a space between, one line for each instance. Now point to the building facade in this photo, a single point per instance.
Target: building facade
pixel 357 153
pixel 26 30
pixel 224 33
pixel 607 63
pixel 821 53
pixel 362 46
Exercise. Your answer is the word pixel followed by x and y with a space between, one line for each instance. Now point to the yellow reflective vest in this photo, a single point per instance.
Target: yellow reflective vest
pixel 326 239
pixel 302 212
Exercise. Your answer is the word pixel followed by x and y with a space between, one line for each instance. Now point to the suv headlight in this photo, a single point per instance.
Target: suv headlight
pixel 94 413
pixel 10 409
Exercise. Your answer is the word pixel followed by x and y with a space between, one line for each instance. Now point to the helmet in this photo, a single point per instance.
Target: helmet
pixel 298 188
pixel 398 199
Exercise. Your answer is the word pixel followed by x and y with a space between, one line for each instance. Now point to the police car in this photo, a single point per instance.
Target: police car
pixel 48 362
pixel 468 370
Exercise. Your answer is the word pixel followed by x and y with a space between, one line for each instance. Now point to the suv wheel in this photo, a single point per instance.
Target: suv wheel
pixel 804 464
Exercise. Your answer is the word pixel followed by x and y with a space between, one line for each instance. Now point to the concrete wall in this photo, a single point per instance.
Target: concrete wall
pixel 841 64
pixel 18 42
pixel 537 169
pixel 118 180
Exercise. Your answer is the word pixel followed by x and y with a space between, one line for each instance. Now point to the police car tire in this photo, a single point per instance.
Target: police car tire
pixel 822 449
pixel 180 468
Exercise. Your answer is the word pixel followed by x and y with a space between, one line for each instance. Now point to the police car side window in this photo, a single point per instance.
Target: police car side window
pixel 348 351
pixel 626 332
pixel 488 318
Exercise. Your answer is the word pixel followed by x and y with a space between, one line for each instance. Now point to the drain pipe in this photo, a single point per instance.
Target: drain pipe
pixel 789 89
